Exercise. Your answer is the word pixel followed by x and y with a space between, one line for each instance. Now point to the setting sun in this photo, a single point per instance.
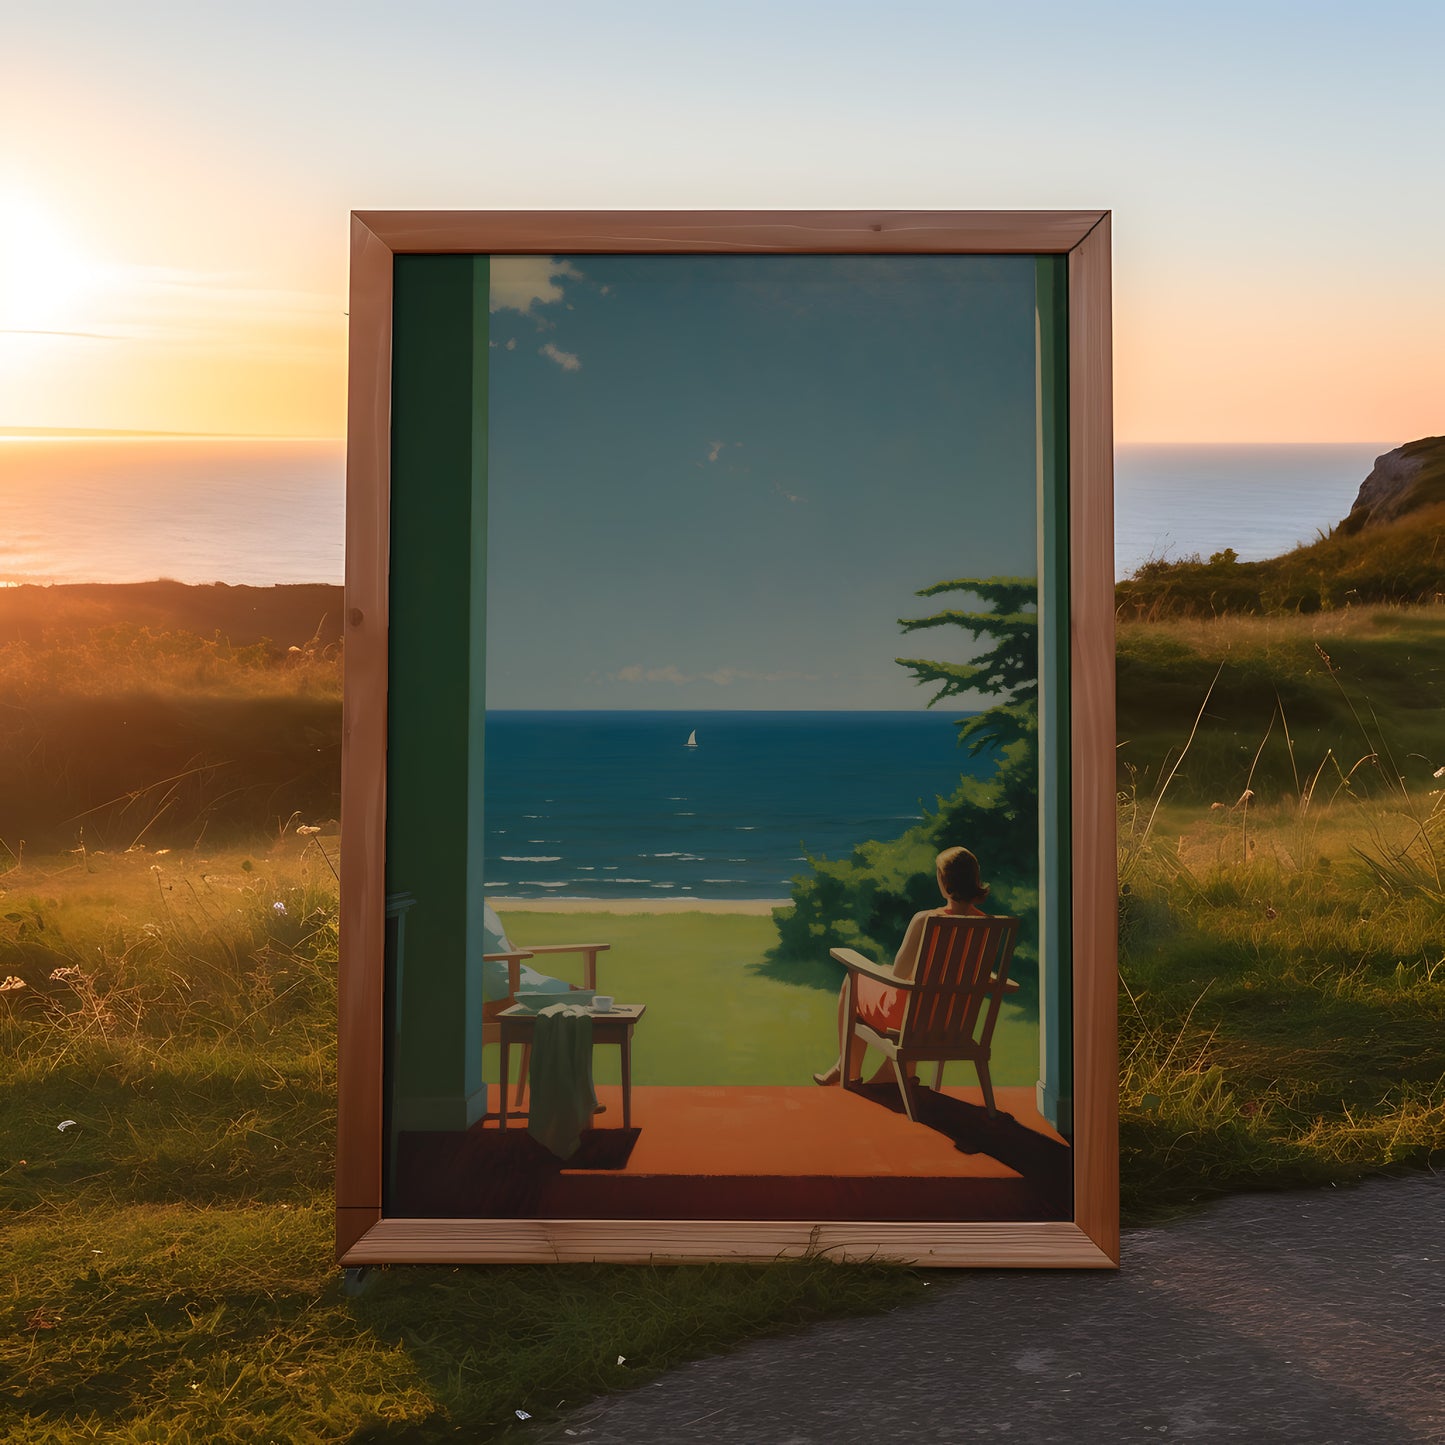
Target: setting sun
pixel 46 277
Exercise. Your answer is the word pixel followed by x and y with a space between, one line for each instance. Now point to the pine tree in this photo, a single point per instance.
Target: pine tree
pixel 864 901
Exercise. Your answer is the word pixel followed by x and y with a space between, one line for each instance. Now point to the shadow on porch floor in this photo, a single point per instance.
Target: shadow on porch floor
pixel 755 1153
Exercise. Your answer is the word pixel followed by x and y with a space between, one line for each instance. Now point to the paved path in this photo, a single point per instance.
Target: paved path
pixel 1307 1318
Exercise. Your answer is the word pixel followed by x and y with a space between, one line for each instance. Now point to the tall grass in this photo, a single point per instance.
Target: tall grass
pixel 126 659
pixel 128 734
pixel 1283 981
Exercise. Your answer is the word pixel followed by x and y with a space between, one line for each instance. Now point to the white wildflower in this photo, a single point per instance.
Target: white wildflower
pixel 10 983
pixel 306 830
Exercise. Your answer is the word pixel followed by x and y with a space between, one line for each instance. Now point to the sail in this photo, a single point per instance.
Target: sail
pixel 692 738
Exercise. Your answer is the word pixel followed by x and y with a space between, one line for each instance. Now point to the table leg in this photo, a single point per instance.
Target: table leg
pixel 627 1077
pixel 502 1103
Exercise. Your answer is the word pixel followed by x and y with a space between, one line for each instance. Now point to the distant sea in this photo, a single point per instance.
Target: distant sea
pixel 194 510
pixel 246 511
pixel 617 805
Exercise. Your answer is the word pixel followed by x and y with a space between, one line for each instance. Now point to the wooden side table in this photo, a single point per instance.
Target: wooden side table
pixel 519 1025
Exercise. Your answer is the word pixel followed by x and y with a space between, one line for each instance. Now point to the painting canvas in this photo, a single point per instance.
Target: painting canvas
pixel 728 846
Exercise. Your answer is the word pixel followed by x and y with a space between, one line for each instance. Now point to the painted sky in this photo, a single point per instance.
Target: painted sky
pixel 176 179
pixel 717 482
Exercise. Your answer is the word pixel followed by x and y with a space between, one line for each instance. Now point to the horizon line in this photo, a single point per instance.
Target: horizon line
pixel 42 433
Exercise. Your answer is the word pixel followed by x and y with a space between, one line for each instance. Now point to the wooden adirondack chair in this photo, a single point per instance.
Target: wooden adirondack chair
pixel 953 999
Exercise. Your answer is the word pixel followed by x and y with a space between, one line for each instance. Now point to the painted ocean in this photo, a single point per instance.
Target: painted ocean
pixel 617 805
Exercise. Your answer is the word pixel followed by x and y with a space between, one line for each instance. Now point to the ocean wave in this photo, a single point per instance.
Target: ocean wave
pixel 747 828
pixel 629 880
pixel 684 815
pixel 686 857
pixel 533 858
pixel 724 880
pixel 661 885
pixel 535 883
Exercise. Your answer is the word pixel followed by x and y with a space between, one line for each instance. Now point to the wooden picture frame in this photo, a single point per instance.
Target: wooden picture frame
pixel 366 1234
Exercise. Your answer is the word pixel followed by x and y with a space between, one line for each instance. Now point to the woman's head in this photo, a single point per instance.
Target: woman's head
pixel 958 876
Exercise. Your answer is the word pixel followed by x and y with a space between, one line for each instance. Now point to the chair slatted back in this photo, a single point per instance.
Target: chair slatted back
pixel 956 958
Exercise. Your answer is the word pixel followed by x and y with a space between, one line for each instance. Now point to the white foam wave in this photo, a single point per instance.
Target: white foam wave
pixel 534 883
pixel 531 858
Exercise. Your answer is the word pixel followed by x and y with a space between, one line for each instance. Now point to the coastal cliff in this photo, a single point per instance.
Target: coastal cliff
pixel 1404 481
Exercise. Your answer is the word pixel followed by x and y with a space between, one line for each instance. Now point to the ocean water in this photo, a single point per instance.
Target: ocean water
pixel 1174 501
pixel 615 804
pixel 247 511
pixel 203 510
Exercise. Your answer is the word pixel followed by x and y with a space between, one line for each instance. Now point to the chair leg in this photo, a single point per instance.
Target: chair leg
pixel 938 1076
pixel 901 1073
pixel 849 1034
pixel 982 1066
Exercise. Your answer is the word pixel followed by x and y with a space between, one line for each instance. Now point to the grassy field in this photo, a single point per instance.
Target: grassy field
pixel 169 1252
pixel 1286 697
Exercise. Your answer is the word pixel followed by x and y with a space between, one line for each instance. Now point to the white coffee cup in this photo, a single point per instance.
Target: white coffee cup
pixel 602 1003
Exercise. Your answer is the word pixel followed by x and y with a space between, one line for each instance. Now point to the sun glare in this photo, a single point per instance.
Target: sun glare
pixel 46 278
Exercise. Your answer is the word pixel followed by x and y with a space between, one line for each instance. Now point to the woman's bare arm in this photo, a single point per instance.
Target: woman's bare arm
pixel 906 960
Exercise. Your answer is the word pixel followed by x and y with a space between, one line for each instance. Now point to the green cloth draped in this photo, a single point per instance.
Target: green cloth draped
pixel 562 1099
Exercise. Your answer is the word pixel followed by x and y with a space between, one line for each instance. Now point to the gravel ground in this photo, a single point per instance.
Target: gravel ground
pixel 1309 1318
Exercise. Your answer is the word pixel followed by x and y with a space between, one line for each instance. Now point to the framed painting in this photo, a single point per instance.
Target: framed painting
pixel 728 805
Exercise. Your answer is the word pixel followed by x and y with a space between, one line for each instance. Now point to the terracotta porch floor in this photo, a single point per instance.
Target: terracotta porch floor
pixel 755 1153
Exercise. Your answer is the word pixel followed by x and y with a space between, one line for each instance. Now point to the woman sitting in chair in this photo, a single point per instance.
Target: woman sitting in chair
pixel 882 1007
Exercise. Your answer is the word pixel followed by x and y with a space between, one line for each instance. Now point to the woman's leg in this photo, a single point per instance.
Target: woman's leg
pixel 832 1075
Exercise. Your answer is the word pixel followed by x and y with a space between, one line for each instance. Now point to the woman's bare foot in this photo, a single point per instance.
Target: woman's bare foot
pixel 828 1079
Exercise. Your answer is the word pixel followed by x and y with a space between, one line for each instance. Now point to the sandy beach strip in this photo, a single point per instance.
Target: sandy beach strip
pixel 759 907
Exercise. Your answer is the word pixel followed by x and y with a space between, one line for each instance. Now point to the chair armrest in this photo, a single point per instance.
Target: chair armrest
pixel 1009 985
pixel 589 961
pixel 514 968
pixel 854 962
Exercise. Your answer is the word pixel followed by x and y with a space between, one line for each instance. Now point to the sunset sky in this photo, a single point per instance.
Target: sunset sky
pixel 175 180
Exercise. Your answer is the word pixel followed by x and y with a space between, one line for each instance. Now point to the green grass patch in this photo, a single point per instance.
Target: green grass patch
pixel 194 1326
pixel 1287 696
pixel 714 1014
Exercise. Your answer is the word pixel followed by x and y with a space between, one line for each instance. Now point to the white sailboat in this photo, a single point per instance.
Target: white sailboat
pixel 692 738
